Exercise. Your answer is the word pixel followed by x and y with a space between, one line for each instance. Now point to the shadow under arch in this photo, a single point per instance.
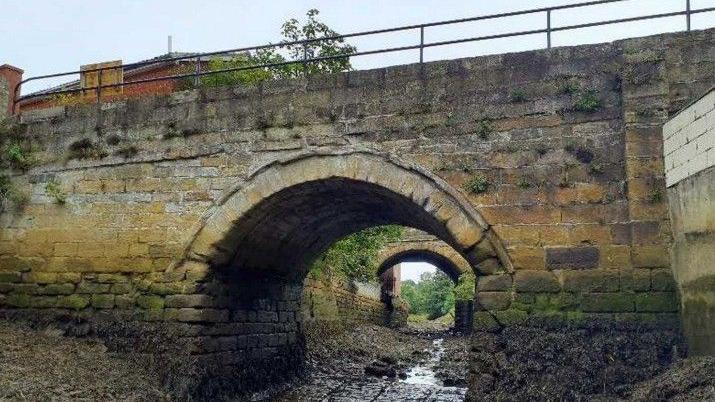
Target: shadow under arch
pixel 288 211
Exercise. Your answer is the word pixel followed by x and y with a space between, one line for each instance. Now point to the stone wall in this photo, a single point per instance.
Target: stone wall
pixel 689 147
pixel 4 97
pixel 544 169
pixel 342 303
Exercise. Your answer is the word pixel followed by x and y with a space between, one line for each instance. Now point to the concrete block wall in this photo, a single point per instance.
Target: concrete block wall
pixel 689 140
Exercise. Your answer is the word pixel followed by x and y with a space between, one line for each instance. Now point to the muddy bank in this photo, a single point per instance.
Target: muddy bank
pixel 601 360
pixel 40 365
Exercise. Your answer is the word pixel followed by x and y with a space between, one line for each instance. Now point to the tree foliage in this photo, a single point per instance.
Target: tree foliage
pixel 435 294
pixel 354 256
pixel 292 31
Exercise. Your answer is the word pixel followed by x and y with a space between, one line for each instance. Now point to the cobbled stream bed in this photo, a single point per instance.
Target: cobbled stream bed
pixel 377 364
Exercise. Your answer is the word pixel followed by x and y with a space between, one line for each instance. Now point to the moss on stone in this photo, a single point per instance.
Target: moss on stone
pixel 150 302
pixel 484 321
pixel 75 302
pixel 511 317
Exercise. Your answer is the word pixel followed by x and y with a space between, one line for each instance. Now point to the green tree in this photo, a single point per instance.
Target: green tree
pixel 353 257
pixel 291 31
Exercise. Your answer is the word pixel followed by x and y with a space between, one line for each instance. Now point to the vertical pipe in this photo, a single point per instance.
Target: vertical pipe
pixel 687 14
pixel 548 29
pixel 422 44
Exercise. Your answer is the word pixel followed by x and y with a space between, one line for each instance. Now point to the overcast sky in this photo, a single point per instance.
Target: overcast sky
pixel 46 36
pixel 414 270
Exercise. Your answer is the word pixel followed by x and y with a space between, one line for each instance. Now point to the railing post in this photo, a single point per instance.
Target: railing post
pixel 687 14
pixel 99 85
pixel 548 29
pixel 305 59
pixel 422 44
pixel 197 71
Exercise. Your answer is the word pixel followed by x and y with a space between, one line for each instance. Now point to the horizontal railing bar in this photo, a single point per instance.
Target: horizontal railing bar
pixel 336 37
pixel 354 54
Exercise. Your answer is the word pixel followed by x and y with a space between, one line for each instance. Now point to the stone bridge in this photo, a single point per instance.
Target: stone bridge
pixel 201 210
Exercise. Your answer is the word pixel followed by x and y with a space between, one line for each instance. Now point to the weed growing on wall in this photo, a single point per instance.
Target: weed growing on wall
pixel 476 185
pixel 587 102
pixel 54 190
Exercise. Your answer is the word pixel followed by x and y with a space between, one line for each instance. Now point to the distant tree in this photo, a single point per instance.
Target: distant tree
pixel 291 31
pixel 433 295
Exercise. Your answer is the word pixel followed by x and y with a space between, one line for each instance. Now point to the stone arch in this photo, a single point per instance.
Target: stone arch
pixel 440 255
pixel 290 210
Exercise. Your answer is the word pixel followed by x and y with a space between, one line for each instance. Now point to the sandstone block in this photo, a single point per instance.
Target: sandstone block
pixel 150 302
pixel 650 256
pixel 662 279
pixel 657 302
pixel 10 277
pixel 196 315
pixel 590 281
pixel 572 257
pixel 91 287
pixel 494 283
pixel 75 302
pixel 607 302
pixel 102 301
pixel 536 281
pixel 195 300
pixel 57 289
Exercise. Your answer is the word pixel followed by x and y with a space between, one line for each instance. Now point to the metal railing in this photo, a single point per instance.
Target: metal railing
pixel 199 57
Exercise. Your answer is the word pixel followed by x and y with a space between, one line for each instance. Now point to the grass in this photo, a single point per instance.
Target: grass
pixel 54 190
pixel 587 102
pixel 484 128
pixel 476 185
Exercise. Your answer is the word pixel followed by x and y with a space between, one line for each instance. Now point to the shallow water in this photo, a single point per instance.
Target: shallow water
pixel 421 384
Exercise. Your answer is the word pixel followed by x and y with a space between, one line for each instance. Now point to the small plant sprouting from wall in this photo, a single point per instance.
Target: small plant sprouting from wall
pixel 54 190
pixel 18 157
pixel 10 195
pixel 484 128
pixel 524 183
pixel 568 88
pixel 517 96
pixel 596 168
pixel 655 196
pixel 85 149
pixel 476 185
pixel 587 102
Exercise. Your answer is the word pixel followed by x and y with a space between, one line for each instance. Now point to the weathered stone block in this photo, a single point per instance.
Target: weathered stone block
pixel 57 289
pixel 90 287
pixel 635 279
pixel 536 281
pixel 572 257
pixel 662 279
pixel 10 277
pixel 124 301
pixel 75 302
pixel 657 302
pixel 607 302
pixel 196 300
pixel 590 281
pixel 485 321
pixel 650 256
pixel 493 300
pixel 121 288
pixel 492 283
pixel 150 302
pixel 102 301
pixel 196 315
pixel 511 317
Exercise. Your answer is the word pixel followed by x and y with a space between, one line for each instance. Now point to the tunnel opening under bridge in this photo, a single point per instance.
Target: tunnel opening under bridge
pixel 259 241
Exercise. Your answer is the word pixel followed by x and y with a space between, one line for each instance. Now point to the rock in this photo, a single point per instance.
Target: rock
pixel 379 368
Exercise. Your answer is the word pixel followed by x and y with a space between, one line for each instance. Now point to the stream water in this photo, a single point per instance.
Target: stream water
pixel 420 384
